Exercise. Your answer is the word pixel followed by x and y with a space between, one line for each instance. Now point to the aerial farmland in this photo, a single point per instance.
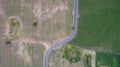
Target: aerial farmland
pixel 59 33
pixel 29 27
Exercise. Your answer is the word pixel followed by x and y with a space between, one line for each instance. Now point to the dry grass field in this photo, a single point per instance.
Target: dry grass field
pixel 41 24
pixel 54 18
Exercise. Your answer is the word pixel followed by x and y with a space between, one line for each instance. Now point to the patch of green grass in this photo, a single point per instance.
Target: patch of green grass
pixel 0 19
pixel 98 25
pixel 12 7
pixel 87 60
pixel 69 16
pixel 105 59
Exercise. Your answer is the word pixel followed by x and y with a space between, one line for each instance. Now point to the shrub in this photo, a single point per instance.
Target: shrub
pixel 71 54
pixel 34 23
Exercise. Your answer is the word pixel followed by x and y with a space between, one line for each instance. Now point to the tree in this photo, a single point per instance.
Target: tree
pixel 7 41
pixel 73 27
pixel 87 60
pixel 71 54
pixel 34 23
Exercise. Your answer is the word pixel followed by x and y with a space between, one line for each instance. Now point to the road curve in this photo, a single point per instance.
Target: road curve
pixel 72 35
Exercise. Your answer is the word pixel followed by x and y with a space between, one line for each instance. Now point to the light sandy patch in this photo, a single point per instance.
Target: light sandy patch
pixel 60 7
pixel 92 53
pixel 48 12
pixel 46 44
pixel 37 10
pixel 58 40
pixel 26 40
pixel 7 28
pixel 23 54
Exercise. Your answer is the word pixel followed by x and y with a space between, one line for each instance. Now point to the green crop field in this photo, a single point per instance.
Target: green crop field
pixel 99 25
pixel 106 59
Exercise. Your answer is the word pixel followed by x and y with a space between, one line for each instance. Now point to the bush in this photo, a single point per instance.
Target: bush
pixel 71 54
pixel 34 23
pixel 87 60
pixel 13 21
pixel 7 41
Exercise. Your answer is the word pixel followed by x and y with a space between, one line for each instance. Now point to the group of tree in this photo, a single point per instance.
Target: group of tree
pixel 72 54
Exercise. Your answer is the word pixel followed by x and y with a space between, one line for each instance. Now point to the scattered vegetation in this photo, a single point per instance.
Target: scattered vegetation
pixel 73 27
pixel 14 27
pixel 34 23
pixel 107 59
pixel 13 21
pixel 72 54
pixel 87 60
pixel 7 41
